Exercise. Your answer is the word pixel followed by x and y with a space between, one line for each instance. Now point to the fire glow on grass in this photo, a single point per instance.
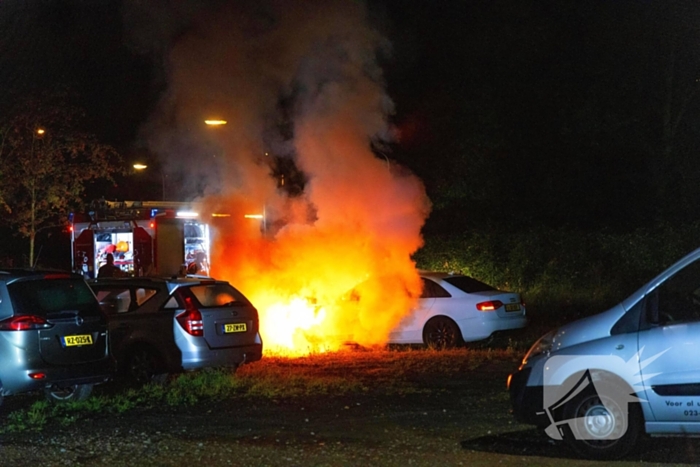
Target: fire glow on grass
pixel 300 80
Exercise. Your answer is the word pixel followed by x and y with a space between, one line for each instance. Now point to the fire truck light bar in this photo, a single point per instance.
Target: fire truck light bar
pixel 187 214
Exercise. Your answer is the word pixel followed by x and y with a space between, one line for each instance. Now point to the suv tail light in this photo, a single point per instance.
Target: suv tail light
pixel 489 306
pixel 24 323
pixel 191 319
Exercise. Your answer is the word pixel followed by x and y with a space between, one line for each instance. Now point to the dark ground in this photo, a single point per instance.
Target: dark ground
pixel 462 419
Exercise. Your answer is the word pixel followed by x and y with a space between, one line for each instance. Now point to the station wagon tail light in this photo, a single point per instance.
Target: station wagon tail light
pixel 57 276
pixel 191 319
pixel 489 306
pixel 24 323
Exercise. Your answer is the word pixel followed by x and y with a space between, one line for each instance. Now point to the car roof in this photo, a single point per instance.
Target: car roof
pixel 437 274
pixel 13 273
pixel 173 280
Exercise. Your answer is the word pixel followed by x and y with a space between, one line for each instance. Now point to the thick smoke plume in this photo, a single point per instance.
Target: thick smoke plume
pixel 299 85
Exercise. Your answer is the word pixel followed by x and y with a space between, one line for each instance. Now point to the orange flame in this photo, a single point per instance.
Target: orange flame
pixel 359 217
pixel 318 285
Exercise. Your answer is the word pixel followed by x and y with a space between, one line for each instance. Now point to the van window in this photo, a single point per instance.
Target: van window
pixel 678 297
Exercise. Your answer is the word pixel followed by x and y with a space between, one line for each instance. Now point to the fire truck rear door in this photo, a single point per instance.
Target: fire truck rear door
pixel 170 246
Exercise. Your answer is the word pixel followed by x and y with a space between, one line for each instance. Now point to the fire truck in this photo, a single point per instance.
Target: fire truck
pixel 163 238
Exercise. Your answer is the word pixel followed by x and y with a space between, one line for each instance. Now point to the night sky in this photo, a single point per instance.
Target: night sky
pixel 581 113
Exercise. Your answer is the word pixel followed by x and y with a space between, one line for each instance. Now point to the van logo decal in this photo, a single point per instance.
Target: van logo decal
pixel 606 401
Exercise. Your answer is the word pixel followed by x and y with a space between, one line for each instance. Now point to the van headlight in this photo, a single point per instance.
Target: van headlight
pixel 543 345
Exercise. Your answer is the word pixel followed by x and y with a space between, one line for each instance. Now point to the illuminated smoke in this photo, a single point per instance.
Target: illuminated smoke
pixel 297 80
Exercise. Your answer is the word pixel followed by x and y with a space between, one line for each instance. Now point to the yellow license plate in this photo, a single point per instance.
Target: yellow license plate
pixel 83 339
pixel 512 307
pixel 235 327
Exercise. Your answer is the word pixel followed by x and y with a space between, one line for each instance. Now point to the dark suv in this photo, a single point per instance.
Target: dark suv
pixel 53 335
pixel 167 325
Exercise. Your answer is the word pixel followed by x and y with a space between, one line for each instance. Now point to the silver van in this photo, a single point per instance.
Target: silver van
pixel 600 382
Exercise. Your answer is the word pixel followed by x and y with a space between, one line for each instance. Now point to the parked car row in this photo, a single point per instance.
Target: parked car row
pixel 57 337
pixel 63 335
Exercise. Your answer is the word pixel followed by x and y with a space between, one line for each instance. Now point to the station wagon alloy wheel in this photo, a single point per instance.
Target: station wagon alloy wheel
pixel 68 392
pixel 145 367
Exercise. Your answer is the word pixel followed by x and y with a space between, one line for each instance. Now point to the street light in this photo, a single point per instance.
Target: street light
pixel 139 166
pixel 36 134
pixel 262 217
pixel 215 122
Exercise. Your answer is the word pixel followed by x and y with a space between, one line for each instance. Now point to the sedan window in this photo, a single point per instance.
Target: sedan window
pixel 143 295
pixel 468 284
pixel 114 301
pixel 433 290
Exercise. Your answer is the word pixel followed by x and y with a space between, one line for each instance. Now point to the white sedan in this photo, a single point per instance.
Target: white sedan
pixel 455 308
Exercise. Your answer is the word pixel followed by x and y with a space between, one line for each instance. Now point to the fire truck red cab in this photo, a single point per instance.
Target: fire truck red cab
pixel 163 238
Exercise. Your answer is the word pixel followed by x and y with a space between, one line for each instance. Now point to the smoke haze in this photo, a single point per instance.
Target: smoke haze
pixel 296 81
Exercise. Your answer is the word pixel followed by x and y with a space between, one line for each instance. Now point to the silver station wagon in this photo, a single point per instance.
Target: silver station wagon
pixel 160 326
pixel 53 335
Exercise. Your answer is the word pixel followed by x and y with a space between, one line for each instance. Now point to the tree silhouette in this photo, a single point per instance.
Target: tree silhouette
pixel 45 162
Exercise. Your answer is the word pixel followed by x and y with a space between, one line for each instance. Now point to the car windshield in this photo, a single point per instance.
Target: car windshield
pixel 40 297
pixel 468 284
pixel 214 295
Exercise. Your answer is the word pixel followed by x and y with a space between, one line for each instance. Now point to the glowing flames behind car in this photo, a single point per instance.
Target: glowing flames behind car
pixel 306 84
pixel 300 280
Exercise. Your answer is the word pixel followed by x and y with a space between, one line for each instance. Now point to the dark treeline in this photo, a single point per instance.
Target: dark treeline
pixel 582 113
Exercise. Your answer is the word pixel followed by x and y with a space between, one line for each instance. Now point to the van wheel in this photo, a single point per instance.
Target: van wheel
pixel 145 366
pixel 441 333
pixel 67 392
pixel 603 425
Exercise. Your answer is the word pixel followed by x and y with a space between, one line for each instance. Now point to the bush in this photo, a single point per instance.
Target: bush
pixel 563 273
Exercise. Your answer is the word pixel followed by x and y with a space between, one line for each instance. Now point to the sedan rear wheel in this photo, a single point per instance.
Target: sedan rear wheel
pixel 441 333
pixel 67 392
pixel 144 366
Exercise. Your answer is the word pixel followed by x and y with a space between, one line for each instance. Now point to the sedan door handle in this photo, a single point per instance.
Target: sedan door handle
pixel 620 346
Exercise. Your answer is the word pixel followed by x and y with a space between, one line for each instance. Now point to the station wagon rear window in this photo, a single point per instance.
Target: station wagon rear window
pixel 39 297
pixel 215 295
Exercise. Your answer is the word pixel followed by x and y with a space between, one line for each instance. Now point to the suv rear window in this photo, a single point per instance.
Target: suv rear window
pixel 468 284
pixel 39 297
pixel 215 295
